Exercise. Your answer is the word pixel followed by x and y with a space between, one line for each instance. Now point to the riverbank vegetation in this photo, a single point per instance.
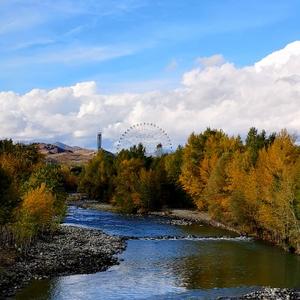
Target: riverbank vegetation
pixel 251 185
pixel 134 182
pixel 32 204
pixel 32 195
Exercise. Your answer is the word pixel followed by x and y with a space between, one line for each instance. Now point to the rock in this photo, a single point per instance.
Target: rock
pixel 177 222
pixel 71 250
pixel 268 294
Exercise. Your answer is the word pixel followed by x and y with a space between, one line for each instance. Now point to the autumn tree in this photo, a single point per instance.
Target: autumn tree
pixel 19 160
pixel 127 196
pixel 32 195
pixel 275 173
pixel 97 177
pixel 35 215
pixel 193 155
pixel 244 195
pixel 217 192
pixel 52 177
pixel 149 190
pixel 200 158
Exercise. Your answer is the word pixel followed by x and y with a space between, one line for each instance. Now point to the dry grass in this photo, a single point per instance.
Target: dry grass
pixel 71 158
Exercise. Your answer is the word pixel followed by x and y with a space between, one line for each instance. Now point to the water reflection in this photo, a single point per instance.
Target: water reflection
pixel 227 264
pixel 172 269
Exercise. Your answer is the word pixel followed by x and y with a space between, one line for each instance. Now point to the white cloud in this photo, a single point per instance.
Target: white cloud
pixel 219 95
pixel 73 55
pixel 281 59
pixel 214 60
pixel 12 22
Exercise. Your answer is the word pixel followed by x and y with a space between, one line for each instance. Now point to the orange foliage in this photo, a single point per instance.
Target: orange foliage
pixel 38 207
pixel 260 197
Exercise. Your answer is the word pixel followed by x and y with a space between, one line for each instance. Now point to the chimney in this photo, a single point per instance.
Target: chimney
pixel 99 141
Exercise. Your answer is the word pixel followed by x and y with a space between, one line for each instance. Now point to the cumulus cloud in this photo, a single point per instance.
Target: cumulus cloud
pixel 214 60
pixel 216 94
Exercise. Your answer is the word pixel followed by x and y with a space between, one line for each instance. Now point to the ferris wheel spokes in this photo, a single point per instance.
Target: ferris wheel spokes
pixel 149 135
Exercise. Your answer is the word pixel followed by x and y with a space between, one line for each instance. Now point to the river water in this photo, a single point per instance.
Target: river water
pixel 210 264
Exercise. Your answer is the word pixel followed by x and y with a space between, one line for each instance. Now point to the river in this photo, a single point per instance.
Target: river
pixel 157 265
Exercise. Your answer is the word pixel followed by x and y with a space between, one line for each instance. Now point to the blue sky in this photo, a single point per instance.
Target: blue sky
pixel 129 45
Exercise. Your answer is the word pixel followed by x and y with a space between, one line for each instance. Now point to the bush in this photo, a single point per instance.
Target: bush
pixel 35 215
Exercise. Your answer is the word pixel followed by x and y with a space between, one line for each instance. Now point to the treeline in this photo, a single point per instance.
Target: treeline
pixel 252 185
pixel 134 182
pixel 32 194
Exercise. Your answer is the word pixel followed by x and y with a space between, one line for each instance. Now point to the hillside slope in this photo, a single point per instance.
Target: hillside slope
pixel 61 153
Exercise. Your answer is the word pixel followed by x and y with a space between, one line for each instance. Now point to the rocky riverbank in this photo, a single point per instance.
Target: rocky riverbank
pixel 188 217
pixel 71 250
pixel 268 294
pixel 92 204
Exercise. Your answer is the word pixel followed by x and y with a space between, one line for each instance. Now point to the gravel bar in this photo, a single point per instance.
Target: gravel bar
pixel 71 250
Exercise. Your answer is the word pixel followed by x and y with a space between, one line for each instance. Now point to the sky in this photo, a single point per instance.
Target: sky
pixel 71 68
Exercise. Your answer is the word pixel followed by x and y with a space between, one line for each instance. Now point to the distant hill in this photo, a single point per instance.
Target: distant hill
pixel 62 153
pixel 51 148
pixel 64 146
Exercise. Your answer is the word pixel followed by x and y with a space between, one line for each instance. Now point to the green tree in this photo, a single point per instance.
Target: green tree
pixel 97 177
pixel 256 141
pixel 52 176
pixel 173 165
pixel 8 198
pixel 127 194
pixel 149 190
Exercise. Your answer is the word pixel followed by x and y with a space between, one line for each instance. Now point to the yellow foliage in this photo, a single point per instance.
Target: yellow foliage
pixel 35 214
pixel 38 206
pixel 136 199
pixel 10 164
pixel 260 197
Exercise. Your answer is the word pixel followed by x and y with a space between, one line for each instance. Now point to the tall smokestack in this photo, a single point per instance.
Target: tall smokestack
pixel 99 141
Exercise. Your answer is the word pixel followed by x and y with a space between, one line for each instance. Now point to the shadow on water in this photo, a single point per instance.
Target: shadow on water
pixel 171 269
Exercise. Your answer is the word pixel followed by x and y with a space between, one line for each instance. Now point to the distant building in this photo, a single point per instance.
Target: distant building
pixel 99 141
pixel 159 150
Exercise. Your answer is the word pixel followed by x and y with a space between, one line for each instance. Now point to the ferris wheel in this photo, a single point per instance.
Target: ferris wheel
pixel 155 139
